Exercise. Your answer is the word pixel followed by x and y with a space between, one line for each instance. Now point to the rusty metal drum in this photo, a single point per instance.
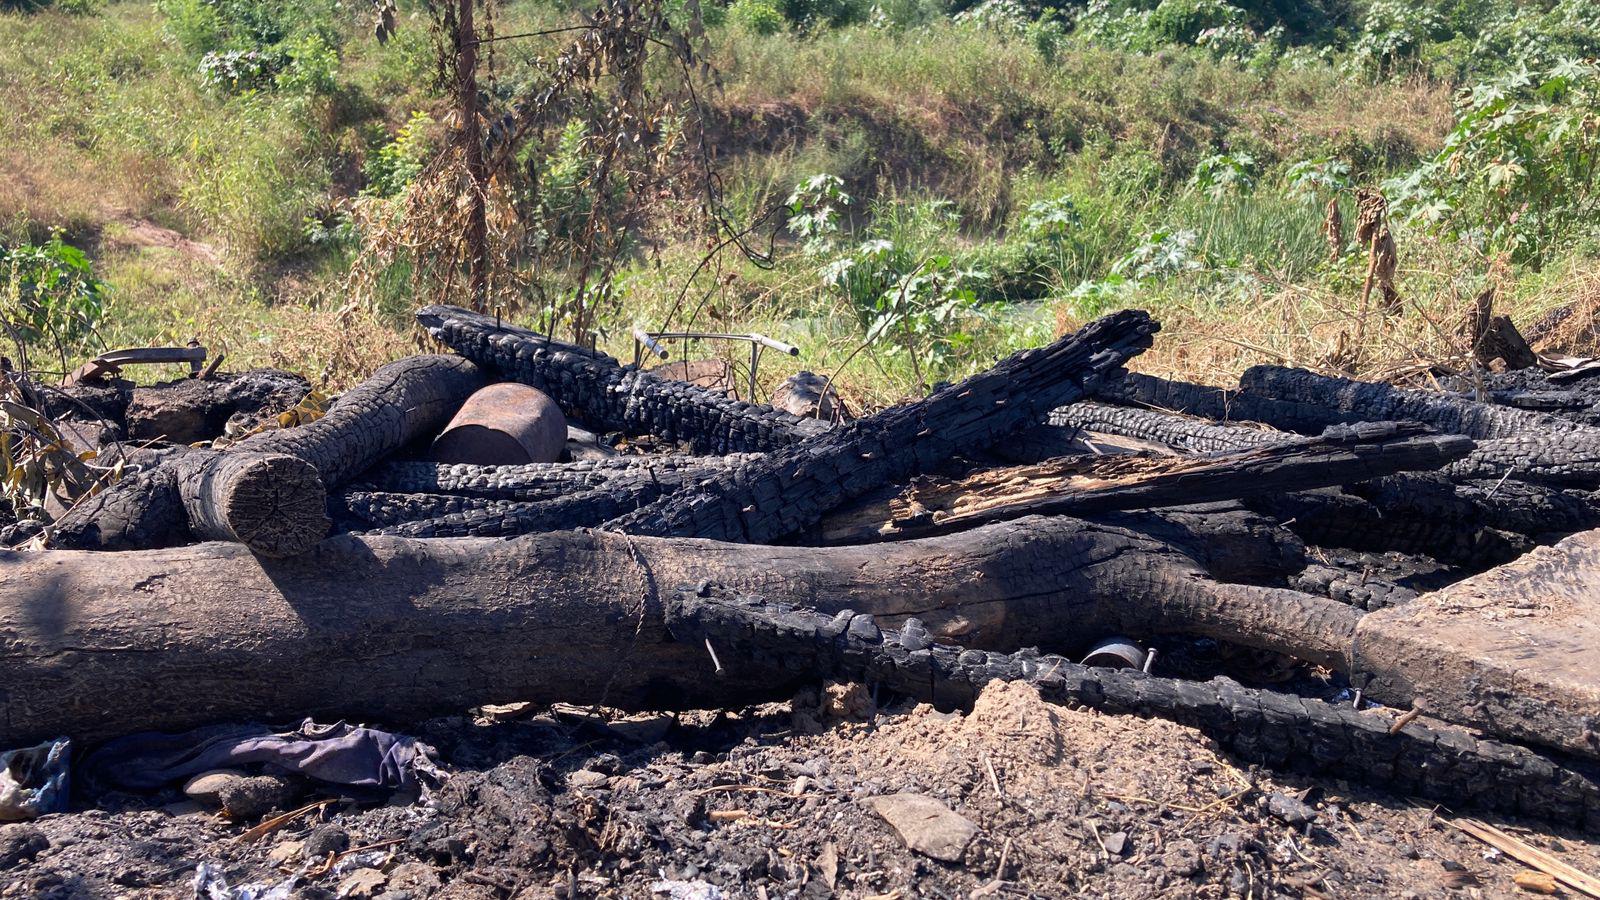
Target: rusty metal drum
pixel 501 425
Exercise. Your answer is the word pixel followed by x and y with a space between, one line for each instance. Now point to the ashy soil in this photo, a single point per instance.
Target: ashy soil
pixel 776 802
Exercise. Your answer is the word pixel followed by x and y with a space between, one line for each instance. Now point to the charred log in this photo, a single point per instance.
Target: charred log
pixel 94 645
pixel 542 481
pixel 269 491
pixel 783 647
pixel 496 518
pixel 1341 518
pixel 598 391
pixel 193 409
pixel 1178 432
pixel 1567 456
pixel 1230 542
pixel 1309 392
pixel 1076 486
pixel 791 489
pixel 1355 588
pixel 359 510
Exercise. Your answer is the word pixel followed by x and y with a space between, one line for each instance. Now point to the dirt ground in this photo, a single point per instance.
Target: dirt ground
pixel 777 802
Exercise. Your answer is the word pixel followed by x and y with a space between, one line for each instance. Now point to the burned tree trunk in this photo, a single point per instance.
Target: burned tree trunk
pixel 1075 486
pixel 1310 393
pixel 784 647
pixel 269 491
pixel 1568 456
pixel 94 645
pixel 200 409
pixel 541 481
pixel 791 489
pixel 1178 432
pixel 596 390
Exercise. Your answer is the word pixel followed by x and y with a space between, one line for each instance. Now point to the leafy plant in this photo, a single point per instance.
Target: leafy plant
pixel 1313 178
pixel 1394 33
pixel 1183 21
pixel 240 70
pixel 393 166
pixel 816 211
pixel 310 68
pixel 1518 171
pixel 51 292
pixel 759 16
pixel 1051 220
pixel 1161 254
pixel 1223 174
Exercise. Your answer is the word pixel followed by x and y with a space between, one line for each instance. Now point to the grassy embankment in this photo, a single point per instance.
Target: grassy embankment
pixel 1058 179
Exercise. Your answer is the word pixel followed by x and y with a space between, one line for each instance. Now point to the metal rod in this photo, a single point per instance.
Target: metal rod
pixel 651 339
pixel 643 339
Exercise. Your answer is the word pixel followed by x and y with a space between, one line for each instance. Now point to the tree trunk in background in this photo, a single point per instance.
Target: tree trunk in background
pixel 477 236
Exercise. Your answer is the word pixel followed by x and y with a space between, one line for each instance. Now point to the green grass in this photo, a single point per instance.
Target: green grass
pixel 105 124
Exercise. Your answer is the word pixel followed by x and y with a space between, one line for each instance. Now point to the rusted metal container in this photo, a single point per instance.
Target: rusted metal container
pixel 502 425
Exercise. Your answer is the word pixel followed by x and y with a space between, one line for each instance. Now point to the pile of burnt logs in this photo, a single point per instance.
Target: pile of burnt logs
pixel 996 529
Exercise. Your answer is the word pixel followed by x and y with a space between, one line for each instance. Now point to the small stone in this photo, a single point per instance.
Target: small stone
pixel 1287 809
pixel 1181 857
pixel 1224 845
pixel 20 844
pixel 588 779
pixel 642 729
pixel 251 798
pixel 850 702
pixel 418 878
pixel 1117 843
pixel 362 883
pixel 207 787
pixel 326 839
pixel 926 825
pixel 286 852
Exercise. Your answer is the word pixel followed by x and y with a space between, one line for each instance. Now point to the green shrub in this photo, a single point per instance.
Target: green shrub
pixel 1393 35
pixel 49 292
pixel 394 165
pixel 759 16
pixel 1518 172
pixel 311 67
pixel 1224 174
pixel 816 211
pixel 816 13
pixel 1182 21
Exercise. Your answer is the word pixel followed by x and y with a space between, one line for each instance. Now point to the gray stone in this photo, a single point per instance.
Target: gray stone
pixel 1288 809
pixel 1181 857
pixel 588 778
pixel 251 798
pixel 326 839
pixel 926 825
pixel 19 844
pixel 207 787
